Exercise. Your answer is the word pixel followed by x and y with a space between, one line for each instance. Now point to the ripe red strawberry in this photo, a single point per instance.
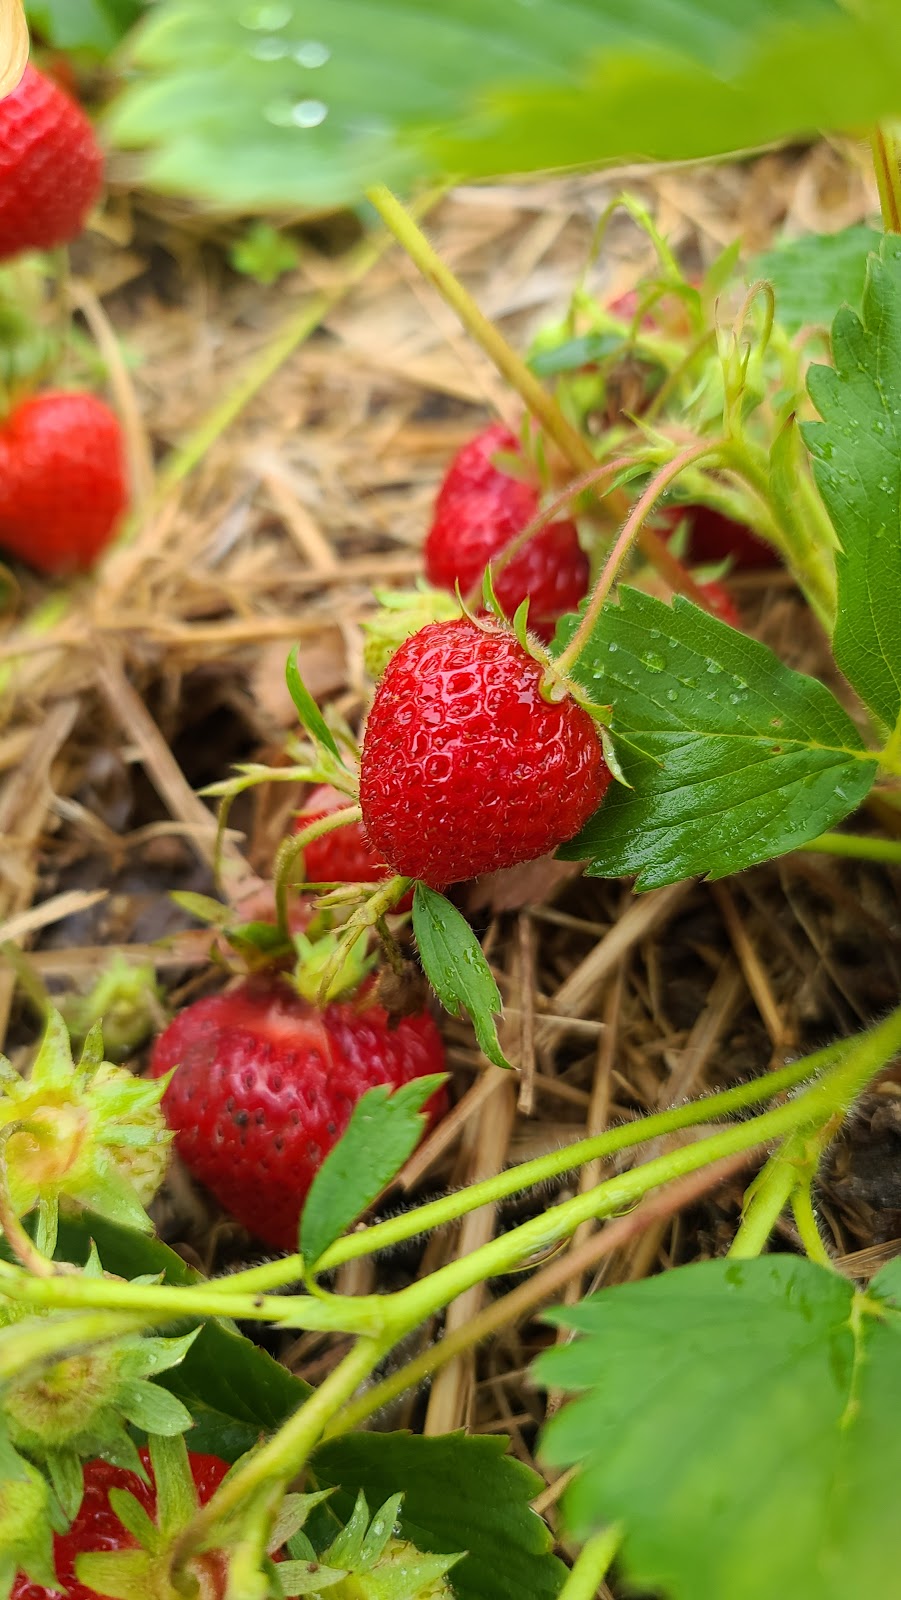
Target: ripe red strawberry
pixel 345 856
pixel 479 509
pixel 50 166
pixel 266 1084
pixel 720 603
pixel 62 480
pixel 466 767
pixel 96 1526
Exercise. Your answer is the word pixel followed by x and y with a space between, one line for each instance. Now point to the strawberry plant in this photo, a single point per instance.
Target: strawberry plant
pixel 727 1427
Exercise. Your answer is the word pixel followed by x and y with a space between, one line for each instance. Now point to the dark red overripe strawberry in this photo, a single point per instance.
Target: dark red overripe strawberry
pixel 266 1084
pixel 466 766
pixel 96 1526
pixel 720 603
pixel 480 508
pixel 50 166
pixel 714 537
pixel 62 480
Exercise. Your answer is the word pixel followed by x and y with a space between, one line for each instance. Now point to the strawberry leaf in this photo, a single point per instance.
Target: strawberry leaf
pixel 266 103
pixel 92 26
pixel 459 1493
pixel 383 1131
pixel 453 962
pixel 732 756
pixel 309 713
pixel 814 275
pixel 739 1419
pixel 857 462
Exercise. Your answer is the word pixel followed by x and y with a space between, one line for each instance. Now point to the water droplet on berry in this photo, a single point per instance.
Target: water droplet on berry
pixel 312 53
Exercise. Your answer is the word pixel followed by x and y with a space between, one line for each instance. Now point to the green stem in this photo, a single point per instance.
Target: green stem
pixel 855 846
pixel 765 1202
pixel 511 366
pixel 592 1565
pixel 162 1302
pixel 891 755
pixel 283 1456
pixel 806 1223
pixel 295 846
pixel 813 570
pixel 888 178
pixel 543 1169
pixel 625 540
pixel 21 1348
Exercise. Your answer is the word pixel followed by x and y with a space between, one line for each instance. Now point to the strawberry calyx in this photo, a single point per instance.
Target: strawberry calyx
pixel 329 966
pixel 89 1134
pixel 26 1540
pixel 367 1560
pixel 402 612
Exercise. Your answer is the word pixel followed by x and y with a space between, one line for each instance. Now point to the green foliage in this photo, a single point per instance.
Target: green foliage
pixel 383 1131
pixel 264 254
pixel 459 1493
pixel 814 275
pixel 739 1418
pixel 733 757
pixel 275 102
pixel 93 27
pixel 857 461
pixel 453 962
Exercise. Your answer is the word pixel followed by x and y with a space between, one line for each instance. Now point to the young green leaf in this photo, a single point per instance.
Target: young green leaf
pixel 303 104
pixel 453 962
pixel 732 757
pixel 459 1493
pixel 383 1131
pixel 307 709
pixel 92 26
pixel 815 275
pixel 857 462
pixel 739 1419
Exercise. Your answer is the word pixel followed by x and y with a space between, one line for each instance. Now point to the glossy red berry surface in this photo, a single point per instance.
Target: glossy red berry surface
pixel 480 508
pixel 63 481
pixel 97 1528
pixel 50 166
pixel 713 537
pixel 266 1084
pixel 466 767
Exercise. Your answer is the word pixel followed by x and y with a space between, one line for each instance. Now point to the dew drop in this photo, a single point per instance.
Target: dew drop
pixel 309 113
pixel 266 14
pixel 269 49
pixel 312 53
pixel 671 694
pixel 654 663
pixel 612 647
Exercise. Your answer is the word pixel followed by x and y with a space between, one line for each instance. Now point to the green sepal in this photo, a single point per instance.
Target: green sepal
pixel 67 1478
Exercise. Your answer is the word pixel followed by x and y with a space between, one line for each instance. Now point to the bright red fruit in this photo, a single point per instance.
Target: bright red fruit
pixel 266 1084
pixel 466 766
pixel 479 509
pixel 96 1527
pixel 720 603
pixel 62 480
pixel 50 166
pixel 345 856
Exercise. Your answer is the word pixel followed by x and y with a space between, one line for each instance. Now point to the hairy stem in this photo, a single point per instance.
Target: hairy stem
pixel 592 1565
pixel 627 536
pixel 888 177
pixel 806 1223
pixel 855 846
pixel 543 1169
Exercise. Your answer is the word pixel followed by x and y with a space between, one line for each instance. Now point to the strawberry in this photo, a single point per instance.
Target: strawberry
pixel 62 480
pixel 479 509
pixel 345 856
pixel 265 1086
pixel 466 766
pixel 97 1527
pixel 720 603
pixel 50 166
pixel 713 537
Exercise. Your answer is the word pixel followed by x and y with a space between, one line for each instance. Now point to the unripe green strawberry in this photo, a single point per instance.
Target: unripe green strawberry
pixel 126 1000
pixel 89 1134
pixel 77 1407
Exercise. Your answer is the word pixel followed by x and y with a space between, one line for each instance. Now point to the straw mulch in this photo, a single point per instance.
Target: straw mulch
pixel 167 667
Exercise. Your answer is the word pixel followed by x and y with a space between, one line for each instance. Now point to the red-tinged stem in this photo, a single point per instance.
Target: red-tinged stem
pixel 624 543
